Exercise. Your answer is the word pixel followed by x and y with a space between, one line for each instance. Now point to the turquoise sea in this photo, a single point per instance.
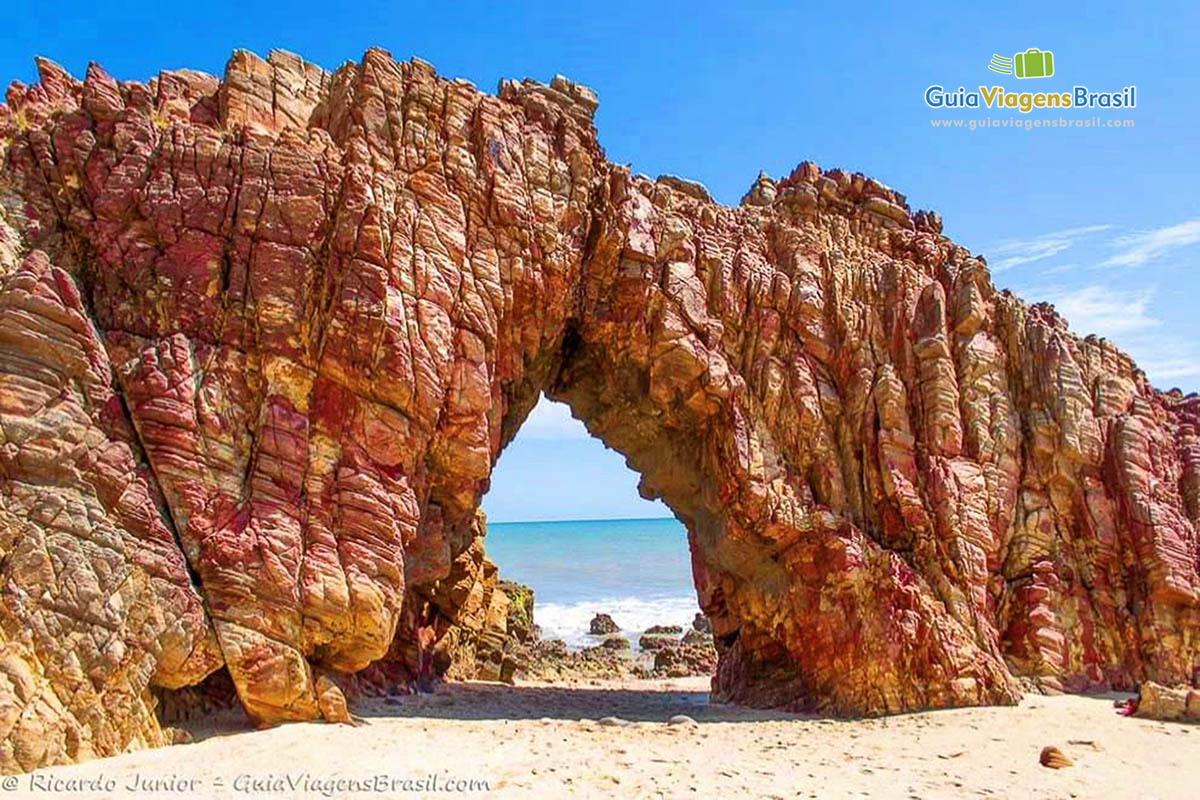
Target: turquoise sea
pixel 636 570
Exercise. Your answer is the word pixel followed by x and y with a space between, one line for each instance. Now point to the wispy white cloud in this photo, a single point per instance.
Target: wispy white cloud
pixel 1128 319
pixel 1058 269
pixel 1014 252
pixel 550 420
pixel 1180 361
pixel 1101 310
pixel 1138 248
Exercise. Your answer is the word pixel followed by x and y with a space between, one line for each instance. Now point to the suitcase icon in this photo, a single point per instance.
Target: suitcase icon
pixel 1034 63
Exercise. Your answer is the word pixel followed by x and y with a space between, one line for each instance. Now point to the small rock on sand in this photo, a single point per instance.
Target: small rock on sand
pixel 614 722
pixel 681 719
pixel 1054 758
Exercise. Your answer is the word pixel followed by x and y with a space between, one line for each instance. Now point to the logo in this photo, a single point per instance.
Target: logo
pixel 1033 63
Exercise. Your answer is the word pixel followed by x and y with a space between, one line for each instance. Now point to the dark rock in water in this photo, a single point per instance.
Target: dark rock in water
pixel 602 624
pixel 664 629
pixel 702 623
pixel 655 641
pixel 615 643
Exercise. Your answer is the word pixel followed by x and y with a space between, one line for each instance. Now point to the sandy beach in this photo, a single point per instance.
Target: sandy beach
pixel 543 740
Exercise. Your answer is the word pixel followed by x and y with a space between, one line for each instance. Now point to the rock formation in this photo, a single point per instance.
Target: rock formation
pixel 1167 703
pixel 470 612
pixel 263 338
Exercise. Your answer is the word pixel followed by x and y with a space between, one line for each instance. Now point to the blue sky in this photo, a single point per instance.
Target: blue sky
pixel 1104 223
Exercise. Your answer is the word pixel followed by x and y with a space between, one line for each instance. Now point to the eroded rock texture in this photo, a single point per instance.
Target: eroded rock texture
pixel 263 338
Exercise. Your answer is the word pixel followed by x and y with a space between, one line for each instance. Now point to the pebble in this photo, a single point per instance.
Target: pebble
pixel 681 719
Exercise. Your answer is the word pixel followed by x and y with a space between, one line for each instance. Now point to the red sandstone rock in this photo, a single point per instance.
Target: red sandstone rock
pixel 1176 704
pixel 332 702
pixel 262 339
pixel 469 612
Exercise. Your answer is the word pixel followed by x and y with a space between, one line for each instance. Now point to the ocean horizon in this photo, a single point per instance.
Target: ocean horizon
pixel 491 522
pixel 637 570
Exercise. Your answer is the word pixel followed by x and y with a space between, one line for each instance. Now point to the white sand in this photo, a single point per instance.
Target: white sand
pixel 539 740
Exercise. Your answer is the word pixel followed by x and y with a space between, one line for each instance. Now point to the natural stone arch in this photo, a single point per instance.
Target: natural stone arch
pixel 809 612
pixel 265 337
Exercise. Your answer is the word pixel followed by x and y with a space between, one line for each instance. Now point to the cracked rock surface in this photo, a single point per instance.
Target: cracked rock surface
pixel 263 338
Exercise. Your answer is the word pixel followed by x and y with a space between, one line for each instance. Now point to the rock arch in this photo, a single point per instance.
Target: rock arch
pixel 265 336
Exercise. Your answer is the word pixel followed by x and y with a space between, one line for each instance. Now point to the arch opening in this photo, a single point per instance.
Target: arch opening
pixel 564 516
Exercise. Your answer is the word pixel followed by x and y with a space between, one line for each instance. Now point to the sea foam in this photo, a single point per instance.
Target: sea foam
pixel 570 621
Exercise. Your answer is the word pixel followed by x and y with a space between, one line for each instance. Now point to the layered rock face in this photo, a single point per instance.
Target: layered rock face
pixel 263 338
